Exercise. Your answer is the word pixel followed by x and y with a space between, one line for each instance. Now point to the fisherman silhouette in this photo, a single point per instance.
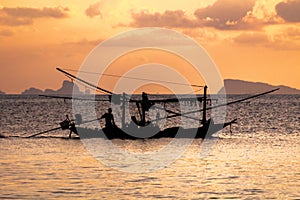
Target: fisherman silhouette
pixel 71 126
pixel 109 119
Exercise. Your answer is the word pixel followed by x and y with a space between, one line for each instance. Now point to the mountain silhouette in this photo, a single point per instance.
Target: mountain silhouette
pixel 233 86
pixel 67 88
pixel 32 91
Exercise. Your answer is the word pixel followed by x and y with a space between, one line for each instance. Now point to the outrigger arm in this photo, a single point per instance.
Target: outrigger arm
pixel 63 125
pixel 217 106
pixel 83 81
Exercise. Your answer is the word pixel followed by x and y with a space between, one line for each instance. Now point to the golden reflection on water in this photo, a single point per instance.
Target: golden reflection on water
pixel 240 167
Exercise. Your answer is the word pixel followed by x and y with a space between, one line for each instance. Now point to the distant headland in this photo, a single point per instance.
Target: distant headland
pixel 67 88
pixel 232 86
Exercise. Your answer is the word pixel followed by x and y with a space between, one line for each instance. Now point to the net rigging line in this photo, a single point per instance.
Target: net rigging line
pixel 135 78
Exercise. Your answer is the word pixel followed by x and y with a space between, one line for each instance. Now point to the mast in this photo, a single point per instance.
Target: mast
pixel 204 105
pixel 123 111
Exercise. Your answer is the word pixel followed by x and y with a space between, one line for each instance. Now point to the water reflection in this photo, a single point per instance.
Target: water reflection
pixel 259 160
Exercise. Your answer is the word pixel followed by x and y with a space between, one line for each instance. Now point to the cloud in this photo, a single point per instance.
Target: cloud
pixel 169 18
pixel 205 35
pixel 222 15
pixel 94 10
pixel 292 33
pixel 56 12
pixel 11 21
pixel 289 11
pixel 6 33
pixel 280 40
pixel 252 38
pixel 226 10
pixel 148 37
pixel 24 15
pixel 84 42
pixel 226 14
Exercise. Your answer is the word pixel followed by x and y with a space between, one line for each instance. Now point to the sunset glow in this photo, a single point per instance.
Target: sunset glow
pixel 253 40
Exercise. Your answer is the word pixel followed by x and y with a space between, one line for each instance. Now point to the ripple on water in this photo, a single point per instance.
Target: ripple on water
pixel 259 160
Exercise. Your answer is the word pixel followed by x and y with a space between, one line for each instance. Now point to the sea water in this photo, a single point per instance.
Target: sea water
pixel 259 158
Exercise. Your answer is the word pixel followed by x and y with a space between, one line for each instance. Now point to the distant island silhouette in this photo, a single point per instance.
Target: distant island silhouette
pixel 1 92
pixel 66 89
pixel 232 86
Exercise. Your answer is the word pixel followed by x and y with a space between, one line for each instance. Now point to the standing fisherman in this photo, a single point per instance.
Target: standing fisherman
pixel 109 119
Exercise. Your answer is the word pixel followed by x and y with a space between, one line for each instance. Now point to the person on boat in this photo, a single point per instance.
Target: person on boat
pixel 72 129
pixel 71 126
pixel 109 119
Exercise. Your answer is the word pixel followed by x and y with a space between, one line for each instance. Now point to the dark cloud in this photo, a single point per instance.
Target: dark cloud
pixel 94 10
pixel 169 18
pixel 57 12
pixel 222 15
pixel 226 10
pixel 226 14
pixel 24 15
pixel 289 11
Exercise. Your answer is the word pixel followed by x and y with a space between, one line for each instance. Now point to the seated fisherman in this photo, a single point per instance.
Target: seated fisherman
pixel 68 124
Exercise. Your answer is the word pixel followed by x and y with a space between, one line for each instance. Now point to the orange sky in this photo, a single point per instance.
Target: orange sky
pixel 254 40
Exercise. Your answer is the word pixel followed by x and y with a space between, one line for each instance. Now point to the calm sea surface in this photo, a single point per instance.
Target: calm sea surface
pixel 260 159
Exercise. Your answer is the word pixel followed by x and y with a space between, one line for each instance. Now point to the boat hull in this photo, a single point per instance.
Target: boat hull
pixel 151 133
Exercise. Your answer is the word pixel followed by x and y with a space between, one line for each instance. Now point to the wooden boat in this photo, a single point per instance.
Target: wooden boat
pixel 173 132
pixel 143 128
